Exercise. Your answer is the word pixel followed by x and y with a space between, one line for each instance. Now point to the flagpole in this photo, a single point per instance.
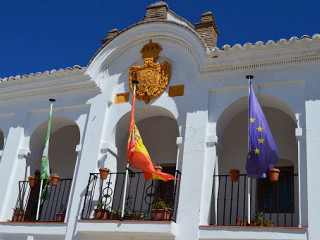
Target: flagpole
pixel 134 82
pixel 51 100
pixel 249 77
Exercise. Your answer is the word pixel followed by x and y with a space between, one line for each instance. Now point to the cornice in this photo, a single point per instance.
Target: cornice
pixel 257 65
pixel 75 70
pixel 258 46
pixel 70 85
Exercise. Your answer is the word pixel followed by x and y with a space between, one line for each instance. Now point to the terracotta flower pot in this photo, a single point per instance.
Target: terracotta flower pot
pixel 18 217
pixel 104 172
pixel 32 181
pixel 101 214
pixel 273 174
pixel 234 174
pixel 161 214
pixel 242 222
pixel 158 168
pixel 60 217
pixel 54 178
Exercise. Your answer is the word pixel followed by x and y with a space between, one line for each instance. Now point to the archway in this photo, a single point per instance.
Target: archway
pixel 64 138
pixel 279 202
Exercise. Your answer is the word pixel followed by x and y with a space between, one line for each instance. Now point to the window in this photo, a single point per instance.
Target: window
pixel 279 196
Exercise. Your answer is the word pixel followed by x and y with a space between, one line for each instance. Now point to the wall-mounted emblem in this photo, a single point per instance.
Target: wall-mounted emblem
pixel 153 77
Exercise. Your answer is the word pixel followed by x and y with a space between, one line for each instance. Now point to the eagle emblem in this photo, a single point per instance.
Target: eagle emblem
pixel 153 77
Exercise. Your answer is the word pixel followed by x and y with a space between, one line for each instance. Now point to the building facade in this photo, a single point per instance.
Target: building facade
pixel 192 113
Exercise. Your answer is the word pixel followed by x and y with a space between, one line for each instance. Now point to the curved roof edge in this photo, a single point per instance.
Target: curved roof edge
pixel 54 72
pixel 148 22
pixel 270 43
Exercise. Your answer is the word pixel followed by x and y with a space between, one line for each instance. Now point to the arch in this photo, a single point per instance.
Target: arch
pixel 234 139
pixel 64 137
pixel 126 47
pixel 242 104
pixel 159 130
pixel 141 113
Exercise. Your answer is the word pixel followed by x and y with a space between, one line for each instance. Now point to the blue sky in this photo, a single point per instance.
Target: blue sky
pixel 39 35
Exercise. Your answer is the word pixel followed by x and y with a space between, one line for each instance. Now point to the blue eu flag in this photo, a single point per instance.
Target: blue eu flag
pixel 263 153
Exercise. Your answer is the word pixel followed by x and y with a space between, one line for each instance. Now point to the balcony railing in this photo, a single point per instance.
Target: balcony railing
pixel 271 204
pixel 145 200
pixel 52 210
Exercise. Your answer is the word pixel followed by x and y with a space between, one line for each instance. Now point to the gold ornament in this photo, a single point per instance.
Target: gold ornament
pixel 153 77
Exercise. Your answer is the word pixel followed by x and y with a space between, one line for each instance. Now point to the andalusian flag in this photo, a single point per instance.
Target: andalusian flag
pixel 45 169
pixel 138 156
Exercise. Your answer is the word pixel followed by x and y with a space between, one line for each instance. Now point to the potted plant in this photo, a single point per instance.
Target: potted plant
pixel 234 174
pixel 116 215
pixel 129 215
pixel 273 174
pixel 161 211
pixel 104 173
pixel 54 178
pixel 18 215
pixel 158 168
pixel 61 214
pixel 100 212
pixel 139 215
pixel 32 180
pixel 260 220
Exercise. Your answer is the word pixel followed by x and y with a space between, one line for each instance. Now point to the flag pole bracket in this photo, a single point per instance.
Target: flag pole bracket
pixel 135 82
pixel 249 77
pixel 52 100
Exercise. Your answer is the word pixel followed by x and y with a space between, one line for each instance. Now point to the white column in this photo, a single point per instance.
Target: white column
pixel 207 179
pixel 87 163
pixel 302 173
pixel 193 164
pixel 11 171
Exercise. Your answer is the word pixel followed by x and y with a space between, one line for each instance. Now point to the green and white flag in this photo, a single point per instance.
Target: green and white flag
pixel 45 169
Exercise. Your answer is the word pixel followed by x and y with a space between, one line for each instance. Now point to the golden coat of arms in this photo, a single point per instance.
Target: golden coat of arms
pixel 153 77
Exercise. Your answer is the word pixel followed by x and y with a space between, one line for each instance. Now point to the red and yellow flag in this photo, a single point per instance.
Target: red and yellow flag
pixel 138 156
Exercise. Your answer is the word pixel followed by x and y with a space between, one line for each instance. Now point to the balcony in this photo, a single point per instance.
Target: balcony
pixel 52 210
pixel 272 204
pixel 145 200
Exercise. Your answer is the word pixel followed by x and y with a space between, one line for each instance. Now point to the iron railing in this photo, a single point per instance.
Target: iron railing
pixel 271 204
pixel 145 200
pixel 53 208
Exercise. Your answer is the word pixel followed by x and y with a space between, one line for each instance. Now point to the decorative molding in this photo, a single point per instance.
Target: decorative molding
pixel 268 44
pixel 23 153
pixel 258 66
pixel 62 108
pixel 79 148
pixel 46 74
pixel 108 147
pixel 175 91
pixel 179 141
pixel 121 98
pixel 212 139
pixel 299 133
pixel 63 90
pixel 6 115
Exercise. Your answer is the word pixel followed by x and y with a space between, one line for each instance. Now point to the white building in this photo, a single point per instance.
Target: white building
pixel 198 126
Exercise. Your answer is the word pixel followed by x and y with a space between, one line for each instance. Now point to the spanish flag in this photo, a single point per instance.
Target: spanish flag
pixel 138 156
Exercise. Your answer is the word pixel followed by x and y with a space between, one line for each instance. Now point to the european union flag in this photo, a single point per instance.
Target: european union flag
pixel 263 153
